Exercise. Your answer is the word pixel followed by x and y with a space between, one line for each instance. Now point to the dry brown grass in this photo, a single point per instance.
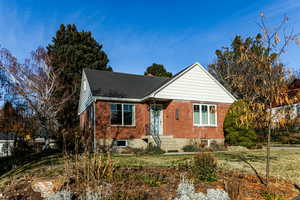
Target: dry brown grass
pixel 285 164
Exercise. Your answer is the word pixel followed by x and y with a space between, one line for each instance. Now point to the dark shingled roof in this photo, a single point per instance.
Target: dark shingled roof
pixel 121 85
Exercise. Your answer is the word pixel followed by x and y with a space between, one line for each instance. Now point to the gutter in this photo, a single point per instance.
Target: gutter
pixel 95 141
pixel 117 99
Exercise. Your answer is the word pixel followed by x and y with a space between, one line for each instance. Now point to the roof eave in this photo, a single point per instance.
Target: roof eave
pixel 117 99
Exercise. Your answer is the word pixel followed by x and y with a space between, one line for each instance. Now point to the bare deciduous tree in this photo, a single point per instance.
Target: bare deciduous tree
pixel 38 85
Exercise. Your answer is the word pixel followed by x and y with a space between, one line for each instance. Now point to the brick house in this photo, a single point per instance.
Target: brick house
pixel 135 110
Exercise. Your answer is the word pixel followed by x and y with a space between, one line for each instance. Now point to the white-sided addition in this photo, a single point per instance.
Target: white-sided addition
pixel 195 83
pixel 86 97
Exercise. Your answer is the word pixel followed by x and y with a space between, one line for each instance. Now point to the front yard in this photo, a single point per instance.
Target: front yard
pixel 284 168
pixel 284 163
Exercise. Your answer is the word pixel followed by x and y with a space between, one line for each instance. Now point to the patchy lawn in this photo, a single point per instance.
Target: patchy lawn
pixel 284 163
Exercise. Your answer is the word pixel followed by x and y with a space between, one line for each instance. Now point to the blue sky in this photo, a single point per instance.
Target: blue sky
pixel 137 33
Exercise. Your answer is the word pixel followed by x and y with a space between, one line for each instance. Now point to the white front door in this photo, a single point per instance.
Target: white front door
pixel 156 119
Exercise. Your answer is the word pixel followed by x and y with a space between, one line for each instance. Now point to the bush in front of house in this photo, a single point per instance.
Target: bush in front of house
pixel 290 139
pixel 205 167
pixel 214 146
pixel 236 132
pixel 191 148
pixel 153 149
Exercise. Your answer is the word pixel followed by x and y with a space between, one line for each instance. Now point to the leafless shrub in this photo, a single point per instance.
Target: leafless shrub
pixel 88 173
pixel 234 189
pixel 37 84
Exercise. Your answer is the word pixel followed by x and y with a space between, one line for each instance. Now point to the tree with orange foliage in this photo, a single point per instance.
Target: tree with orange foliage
pixel 268 81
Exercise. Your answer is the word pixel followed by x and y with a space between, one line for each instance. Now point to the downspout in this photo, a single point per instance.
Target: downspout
pixel 95 141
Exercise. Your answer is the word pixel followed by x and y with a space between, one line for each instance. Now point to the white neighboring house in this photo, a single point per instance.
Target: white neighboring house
pixel 6 144
pixel 280 112
pixel 290 112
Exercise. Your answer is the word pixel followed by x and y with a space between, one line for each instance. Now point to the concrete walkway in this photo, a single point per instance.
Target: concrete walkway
pixel 285 148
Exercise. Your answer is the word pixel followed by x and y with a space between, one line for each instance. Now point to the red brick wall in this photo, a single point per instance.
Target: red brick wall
pixel 84 120
pixel 105 130
pixel 184 128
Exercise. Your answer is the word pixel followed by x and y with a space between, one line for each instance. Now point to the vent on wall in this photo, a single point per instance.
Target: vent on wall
pixel 177 114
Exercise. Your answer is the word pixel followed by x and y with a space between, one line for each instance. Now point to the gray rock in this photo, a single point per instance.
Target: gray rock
pixel 61 195
pixel 186 191
pixel 297 197
pixel 217 194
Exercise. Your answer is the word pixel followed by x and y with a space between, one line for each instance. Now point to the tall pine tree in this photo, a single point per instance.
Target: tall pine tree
pixel 71 51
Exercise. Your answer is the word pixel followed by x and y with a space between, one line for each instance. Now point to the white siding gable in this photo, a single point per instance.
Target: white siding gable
pixel 86 97
pixel 195 83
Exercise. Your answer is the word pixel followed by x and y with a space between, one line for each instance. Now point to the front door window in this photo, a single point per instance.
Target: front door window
pixel 156 119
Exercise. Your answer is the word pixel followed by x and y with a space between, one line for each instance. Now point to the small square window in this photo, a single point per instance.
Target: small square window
pixel 121 143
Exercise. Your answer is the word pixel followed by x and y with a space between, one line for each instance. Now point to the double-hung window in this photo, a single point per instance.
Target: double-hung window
pixel 205 115
pixel 122 114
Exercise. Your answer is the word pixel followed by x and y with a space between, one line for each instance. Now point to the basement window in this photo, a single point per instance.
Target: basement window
pixel 121 143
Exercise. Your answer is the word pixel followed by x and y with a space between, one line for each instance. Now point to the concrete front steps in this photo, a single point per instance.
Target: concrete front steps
pixel 168 143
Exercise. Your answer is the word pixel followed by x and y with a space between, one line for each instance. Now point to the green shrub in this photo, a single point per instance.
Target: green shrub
pixel 184 165
pixel 271 196
pixel 205 167
pixel 214 146
pixel 151 149
pixel 236 132
pixel 153 180
pixel 290 139
pixel 191 148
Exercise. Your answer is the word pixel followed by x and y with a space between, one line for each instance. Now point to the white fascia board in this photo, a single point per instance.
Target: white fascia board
pixel 117 99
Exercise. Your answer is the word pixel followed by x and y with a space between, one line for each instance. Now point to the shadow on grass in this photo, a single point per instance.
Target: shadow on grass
pixel 235 157
pixel 13 166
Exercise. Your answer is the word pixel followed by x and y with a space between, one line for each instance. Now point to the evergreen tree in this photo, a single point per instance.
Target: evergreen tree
pixel 157 70
pixel 70 52
pixel 236 132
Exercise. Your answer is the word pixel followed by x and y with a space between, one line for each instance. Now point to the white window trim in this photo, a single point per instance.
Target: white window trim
pixel 133 115
pixel 126 143
pixel 200 116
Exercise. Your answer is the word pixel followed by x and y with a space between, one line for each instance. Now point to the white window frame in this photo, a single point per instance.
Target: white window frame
pixel 133 113
pixel 200 115
pixel 126 143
